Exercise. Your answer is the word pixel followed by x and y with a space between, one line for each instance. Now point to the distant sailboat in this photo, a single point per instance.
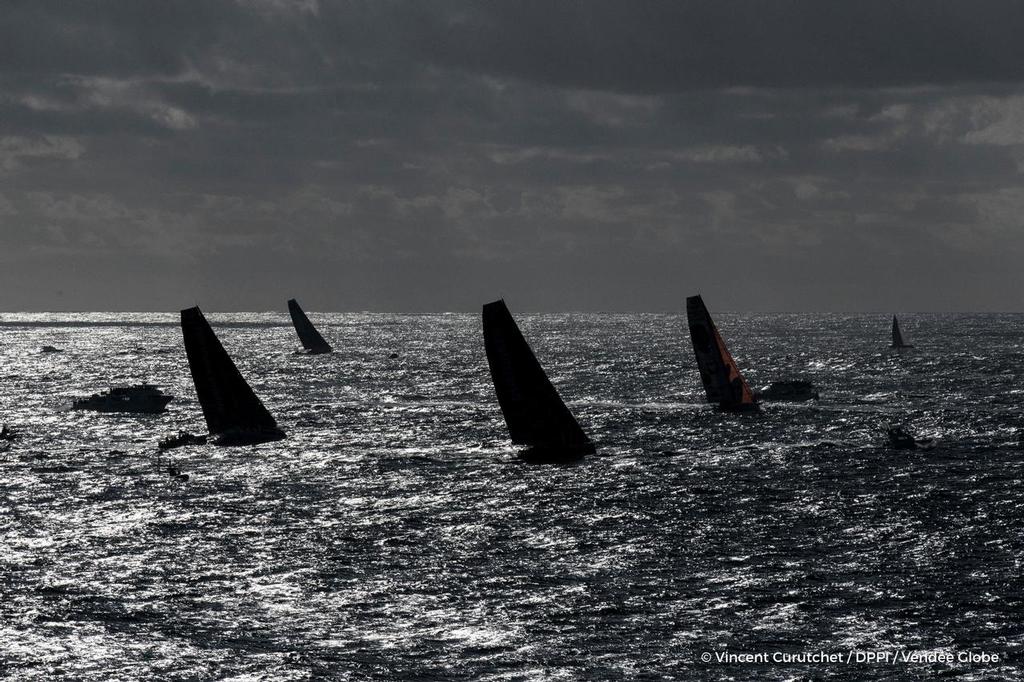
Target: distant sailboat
pixel 901 438
pixel 6 434
pixel 897 337
pixel 722 380
pixel 533 410
pixel 234 415
pixel 310 337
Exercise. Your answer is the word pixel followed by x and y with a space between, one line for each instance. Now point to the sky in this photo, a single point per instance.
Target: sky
pixel 773 155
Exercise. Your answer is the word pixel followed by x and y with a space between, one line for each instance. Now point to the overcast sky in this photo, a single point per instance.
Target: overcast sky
pixel 431 156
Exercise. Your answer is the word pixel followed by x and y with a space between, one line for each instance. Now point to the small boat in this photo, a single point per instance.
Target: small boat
pixel 140 399
pixel 234 414
pixel 7 434
pixel 311 339
pixel 175 473
pixel 792 391
pixel 50 349
pixel 182 439
pixel 897 337
pixel 723 382
pixel 533 410
pixel 900 438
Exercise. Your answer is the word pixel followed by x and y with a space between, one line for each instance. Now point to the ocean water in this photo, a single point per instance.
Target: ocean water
pixel 395 535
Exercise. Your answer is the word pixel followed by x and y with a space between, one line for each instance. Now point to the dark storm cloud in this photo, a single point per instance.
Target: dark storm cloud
pixel 656 47
pixel 569 154
pixel 659 47
pixel 123 38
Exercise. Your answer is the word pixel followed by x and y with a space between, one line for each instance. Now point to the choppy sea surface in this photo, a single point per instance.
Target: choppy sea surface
pixel 395 535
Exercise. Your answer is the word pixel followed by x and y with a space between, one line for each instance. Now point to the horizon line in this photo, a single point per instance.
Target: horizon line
pixel 681 310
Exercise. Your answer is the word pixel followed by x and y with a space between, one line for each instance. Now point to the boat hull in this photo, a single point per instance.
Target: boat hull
pixel 556 455
pixel 240 438
pixel 740 408
pixel 154 405
pixel 789 392
pixel 180 441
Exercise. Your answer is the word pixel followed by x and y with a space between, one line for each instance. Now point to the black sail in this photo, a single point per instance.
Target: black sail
pixel 533 410
pixel 233 412
pixel 723 382
pixel 310 337
pixel 897 337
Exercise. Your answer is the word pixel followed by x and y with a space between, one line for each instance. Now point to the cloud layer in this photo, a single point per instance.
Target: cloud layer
pixel 782 155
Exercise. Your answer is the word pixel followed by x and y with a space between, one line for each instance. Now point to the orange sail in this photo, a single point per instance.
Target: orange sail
pixel 723 382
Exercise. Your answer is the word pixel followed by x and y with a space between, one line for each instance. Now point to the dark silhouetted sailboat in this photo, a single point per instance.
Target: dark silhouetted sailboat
pixel 533 410
pixel 722 380
pixel 6 434
pixel 310 337
pixel 897 337
pixel 234 414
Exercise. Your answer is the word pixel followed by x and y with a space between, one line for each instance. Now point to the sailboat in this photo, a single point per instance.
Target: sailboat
pixel 234 414
pixel 722 380
pixel 310 337
pixel 533 410
pixel 897 337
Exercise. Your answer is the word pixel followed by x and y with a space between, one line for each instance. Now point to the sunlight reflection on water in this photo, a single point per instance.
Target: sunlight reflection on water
pixel 394 534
